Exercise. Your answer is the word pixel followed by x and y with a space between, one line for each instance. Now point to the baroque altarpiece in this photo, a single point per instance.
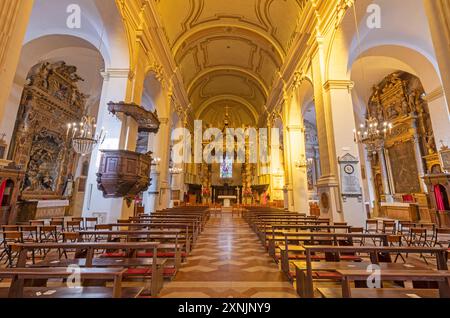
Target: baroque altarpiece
pixel 41 146
pixel 409 151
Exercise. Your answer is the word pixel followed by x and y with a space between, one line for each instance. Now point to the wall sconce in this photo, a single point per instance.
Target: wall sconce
pixel 156 161
pixel 175 170
pixel 303 162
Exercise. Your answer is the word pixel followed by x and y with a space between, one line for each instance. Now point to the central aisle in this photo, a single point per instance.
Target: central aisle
pixel 228 261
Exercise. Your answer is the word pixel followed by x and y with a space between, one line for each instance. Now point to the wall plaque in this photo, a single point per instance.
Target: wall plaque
pixel 350 185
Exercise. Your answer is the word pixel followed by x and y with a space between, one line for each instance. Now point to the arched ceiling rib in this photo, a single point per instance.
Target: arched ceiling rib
pixel 229 48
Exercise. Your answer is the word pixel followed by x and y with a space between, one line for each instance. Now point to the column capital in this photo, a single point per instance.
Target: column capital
pixel 117 73
pixel 435 94
pixel 294 128
pixel 164 121
pixel 338 84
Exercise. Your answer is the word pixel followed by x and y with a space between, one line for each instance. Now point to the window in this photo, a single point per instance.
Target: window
pixel 226 168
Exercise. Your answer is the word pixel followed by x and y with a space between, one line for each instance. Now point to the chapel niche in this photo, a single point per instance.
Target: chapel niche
pixel 51 99
pixel 410 147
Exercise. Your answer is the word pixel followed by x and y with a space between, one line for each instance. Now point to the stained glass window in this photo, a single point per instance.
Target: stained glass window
pixel 226 169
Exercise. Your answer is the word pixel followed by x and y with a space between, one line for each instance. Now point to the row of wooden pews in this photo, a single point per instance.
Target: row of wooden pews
pixel 334 260
pixel 142 250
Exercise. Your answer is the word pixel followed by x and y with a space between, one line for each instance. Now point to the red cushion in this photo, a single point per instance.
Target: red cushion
pixel 167 271
pixel 114 255
pixel 137 271
pixel 351 257
pixel 161 254
pixel 328 275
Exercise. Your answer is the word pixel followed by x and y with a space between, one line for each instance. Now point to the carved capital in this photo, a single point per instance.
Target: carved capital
pixel 117 73
pixel 339 84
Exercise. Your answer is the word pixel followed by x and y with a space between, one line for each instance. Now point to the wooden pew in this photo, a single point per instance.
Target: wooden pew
pixel 171 241
pixel 442 277
pixel 187 230
pixel 18 276
pixel 306 278
pixel 332 238
pixel 89 249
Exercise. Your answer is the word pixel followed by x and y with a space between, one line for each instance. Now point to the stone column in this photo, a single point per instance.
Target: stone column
pixel 335 125
pixel 438 13
pixel 14 19
pixel 298 174
pixel 118 132
pixel 327 185
pixel 385 176
pixel 162 151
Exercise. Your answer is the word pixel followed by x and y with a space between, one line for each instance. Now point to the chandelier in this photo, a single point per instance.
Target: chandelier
pixel 175 170
pixel 304 162
pixel 373 134
pixel 83 137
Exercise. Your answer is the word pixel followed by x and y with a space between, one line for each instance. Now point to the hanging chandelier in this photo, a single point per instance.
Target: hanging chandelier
pixel 82 135
pixel 373 134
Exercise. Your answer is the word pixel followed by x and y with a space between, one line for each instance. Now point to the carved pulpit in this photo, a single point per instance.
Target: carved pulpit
pixel 125 173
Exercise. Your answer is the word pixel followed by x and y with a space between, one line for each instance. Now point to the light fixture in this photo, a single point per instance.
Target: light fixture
pixel 83 137
pixel 303 162
pixel 175 170
pixel 373 134
pixel 156 161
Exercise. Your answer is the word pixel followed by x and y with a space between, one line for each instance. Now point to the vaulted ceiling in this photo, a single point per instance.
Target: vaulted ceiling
pixel 229 52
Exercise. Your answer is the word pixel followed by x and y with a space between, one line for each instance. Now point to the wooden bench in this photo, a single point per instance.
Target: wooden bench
pixel 442 277
pixel 374 252
pixel 89 249
pixel 328 270
pixel 18 276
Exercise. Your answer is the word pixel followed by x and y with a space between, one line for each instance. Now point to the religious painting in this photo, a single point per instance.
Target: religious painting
pixel 404 168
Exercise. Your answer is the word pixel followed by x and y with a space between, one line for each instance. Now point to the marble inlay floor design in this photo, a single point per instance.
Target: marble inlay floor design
pixel 228 261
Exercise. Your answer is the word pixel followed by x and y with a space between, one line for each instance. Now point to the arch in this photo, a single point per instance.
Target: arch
pixel 210 70
pixel 345 47
pixel 101 22
pixel 240 100
pixel 53 48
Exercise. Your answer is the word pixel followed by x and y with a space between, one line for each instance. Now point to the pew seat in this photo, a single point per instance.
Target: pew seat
pixel 82 292
pixel 380 293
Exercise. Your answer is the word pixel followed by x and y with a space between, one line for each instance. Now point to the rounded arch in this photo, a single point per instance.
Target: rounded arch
pixel 153 94
pixel 55 48
pixel 101 25
pixel 237 99
pixel 349 41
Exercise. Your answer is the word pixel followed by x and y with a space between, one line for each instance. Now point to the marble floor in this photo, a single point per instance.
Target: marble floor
pixel 228 261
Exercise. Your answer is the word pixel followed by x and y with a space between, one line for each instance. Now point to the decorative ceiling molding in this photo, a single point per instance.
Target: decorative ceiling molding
pixel 201 109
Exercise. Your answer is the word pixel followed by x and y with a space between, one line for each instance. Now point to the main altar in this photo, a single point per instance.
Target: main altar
pixel 226 199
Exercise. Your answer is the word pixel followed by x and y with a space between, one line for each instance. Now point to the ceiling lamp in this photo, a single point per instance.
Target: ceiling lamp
pixel 373 134
pixel 82 135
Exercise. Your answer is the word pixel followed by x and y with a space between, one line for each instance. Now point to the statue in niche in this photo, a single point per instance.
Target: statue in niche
pixel 430 143
pixel 405 108
pixel 41 78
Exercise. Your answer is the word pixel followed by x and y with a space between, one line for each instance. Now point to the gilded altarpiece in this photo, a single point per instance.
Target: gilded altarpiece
pixel 410 147
pixel 50 100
